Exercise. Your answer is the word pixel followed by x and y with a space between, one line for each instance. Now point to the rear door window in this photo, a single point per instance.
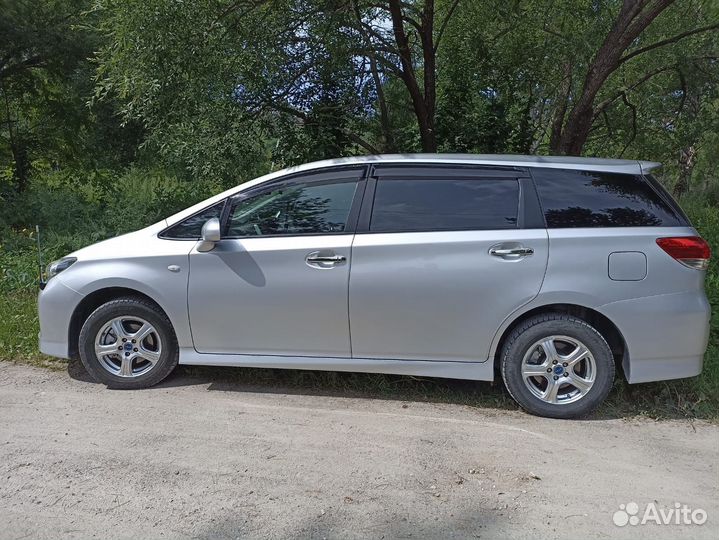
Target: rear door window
pixel 436 204
pixel 600 199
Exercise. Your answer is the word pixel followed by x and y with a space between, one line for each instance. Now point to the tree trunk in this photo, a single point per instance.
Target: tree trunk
pixel 633 18
pixel 430 75
pixel 21 171
pixel 560 111
pixel 687 160
pixel 424 105
pixel 388 143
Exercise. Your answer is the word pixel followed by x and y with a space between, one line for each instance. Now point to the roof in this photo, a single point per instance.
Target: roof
pixel 557 162
pixel 508 160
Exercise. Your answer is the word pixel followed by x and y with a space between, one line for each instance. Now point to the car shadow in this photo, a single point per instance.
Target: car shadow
pixel 78 372
pixel 624 401
pixel 329 384
pixel 351 518
pixel 344 385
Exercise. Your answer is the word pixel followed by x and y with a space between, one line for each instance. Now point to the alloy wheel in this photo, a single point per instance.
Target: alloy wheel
pixel 559 369
pixel 128 346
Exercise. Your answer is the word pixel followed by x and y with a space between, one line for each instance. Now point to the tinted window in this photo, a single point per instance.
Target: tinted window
pixel 668 198
pixel 293 209
pixel 451 204
pixel 191 227
pixel 599 199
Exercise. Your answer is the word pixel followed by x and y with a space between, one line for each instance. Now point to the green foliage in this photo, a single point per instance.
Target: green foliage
pixel 74 211
pixel 46 78
pixel 117 113
pixel 177 67
pixel 19 328
pixel 695 397
pixel 507 66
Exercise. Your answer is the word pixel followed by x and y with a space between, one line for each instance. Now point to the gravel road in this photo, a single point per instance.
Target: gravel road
pixel 194 458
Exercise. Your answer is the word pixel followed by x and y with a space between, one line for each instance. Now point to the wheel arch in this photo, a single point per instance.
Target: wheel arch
pixel 601 322
pixel 91 302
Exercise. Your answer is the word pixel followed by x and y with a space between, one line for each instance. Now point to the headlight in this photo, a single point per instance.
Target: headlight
pixel 55 267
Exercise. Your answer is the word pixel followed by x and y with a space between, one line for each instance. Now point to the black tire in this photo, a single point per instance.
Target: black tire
pixel 128 307
pixel 529 332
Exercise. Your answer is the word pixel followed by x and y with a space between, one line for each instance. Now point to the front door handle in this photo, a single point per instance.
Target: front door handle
pixel 318 259
pixel 511 252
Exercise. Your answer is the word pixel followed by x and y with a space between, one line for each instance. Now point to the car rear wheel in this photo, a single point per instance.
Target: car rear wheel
pixel 128 343
pixel 558 366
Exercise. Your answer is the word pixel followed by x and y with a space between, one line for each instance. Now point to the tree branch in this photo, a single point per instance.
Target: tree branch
pixel 28 63
pixel 351 135
pixel 644 18
pixel 443 26
pixel 607 102
pixel 633 108
pixel 382 39
pixel 667 41
pixel 281 107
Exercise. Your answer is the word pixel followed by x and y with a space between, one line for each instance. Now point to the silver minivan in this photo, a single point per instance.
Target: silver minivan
pixel 551 271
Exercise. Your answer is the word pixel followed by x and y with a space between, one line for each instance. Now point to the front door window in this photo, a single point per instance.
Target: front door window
pixel 293 209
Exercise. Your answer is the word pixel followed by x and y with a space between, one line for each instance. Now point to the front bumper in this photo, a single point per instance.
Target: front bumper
pixel 56 304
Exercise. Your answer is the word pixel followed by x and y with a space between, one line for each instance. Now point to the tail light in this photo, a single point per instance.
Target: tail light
pixel 691 251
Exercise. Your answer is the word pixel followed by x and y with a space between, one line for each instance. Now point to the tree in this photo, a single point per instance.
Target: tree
pixel 227 87
pixel 270 59
pixel 45 84
pixel 405 39
pixel 35 45
pixel 218 86
pixel 619 46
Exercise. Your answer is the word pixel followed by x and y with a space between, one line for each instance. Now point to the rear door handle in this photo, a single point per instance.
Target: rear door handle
pixel 514 252
pixel 317 259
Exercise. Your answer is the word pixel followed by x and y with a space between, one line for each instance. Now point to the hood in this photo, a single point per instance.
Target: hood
pixel 120 246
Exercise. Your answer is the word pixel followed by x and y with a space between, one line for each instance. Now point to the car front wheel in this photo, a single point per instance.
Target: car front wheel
pixel 557 365
pixel 128 343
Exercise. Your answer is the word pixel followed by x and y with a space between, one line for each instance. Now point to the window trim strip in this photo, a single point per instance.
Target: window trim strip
pixel 321 177
pixel 360 174
pixel 524 200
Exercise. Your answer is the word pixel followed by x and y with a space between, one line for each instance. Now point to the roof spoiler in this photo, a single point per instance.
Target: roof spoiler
pixel 647 166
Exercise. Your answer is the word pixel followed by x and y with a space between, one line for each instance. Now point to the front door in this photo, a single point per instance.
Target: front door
pixel 276 284
pixel 444 258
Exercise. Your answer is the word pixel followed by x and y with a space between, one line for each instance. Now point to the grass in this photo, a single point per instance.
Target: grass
pixel 19 329
pixel 697 397
pixel 689 398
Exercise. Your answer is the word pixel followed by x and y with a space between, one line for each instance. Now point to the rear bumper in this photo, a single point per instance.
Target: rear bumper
pixel 56 304
pixel 666 335
pixel 662 369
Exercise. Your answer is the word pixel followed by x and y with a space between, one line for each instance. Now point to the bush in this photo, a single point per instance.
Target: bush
pixel 139 198
pixel 78 210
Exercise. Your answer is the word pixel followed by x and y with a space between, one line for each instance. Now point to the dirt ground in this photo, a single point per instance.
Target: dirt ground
pixel 194 458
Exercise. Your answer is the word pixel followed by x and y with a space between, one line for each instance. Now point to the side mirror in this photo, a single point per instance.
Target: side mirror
pixel 210 235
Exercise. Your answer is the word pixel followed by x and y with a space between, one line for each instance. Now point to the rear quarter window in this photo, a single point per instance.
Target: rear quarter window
pixel 599 199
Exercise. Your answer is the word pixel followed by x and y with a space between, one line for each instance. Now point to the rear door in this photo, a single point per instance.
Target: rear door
pixel 441 257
